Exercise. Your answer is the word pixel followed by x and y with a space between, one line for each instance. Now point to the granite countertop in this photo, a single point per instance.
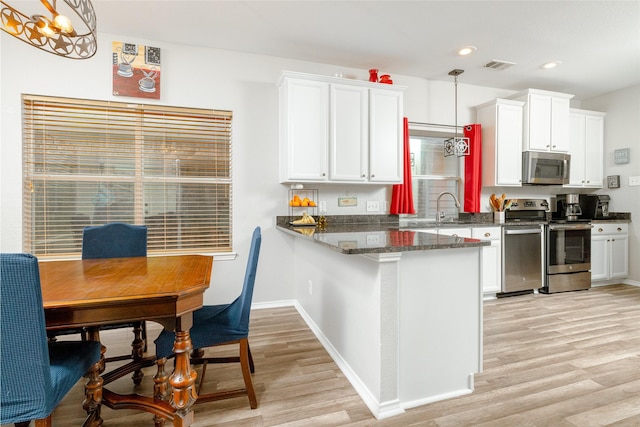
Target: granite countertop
pixel 371 234
pixel 374 237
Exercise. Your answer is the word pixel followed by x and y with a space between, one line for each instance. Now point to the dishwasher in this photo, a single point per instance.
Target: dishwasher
pixel 523 246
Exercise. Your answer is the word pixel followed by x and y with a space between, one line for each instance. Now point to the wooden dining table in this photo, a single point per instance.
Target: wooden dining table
pixel 98 292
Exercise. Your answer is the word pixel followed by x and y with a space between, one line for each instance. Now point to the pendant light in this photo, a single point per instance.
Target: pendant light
pixel 457 146
pixel 54 34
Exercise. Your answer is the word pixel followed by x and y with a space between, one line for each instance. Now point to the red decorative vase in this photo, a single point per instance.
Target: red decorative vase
pixel 373 75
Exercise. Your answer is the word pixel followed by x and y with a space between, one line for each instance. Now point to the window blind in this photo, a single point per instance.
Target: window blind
pixel 89 162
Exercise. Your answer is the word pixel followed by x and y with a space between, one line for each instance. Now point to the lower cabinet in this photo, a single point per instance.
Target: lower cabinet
pixel 491 258
pixel 609 251
pixel 491 268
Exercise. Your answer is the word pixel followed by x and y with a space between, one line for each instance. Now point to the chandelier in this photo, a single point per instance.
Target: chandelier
pixel 456 146
pixel 55 34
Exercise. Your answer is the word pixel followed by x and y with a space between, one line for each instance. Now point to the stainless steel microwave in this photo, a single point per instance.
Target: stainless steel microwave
pixel 543 168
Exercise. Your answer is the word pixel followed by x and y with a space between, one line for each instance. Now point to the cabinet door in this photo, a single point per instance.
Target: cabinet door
pixel 619 257
pixel 538 123
pixel 559 124
pixel 349 153
pixel 594 148
pixel 491 257
pixel 385 136
pixel 599 257
pixel 304 130
pixel 577 149
pixel 509 145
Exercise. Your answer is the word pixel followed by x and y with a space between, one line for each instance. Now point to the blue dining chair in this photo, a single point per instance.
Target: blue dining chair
pixel 119 240
pixel 36 374
pixel 221 325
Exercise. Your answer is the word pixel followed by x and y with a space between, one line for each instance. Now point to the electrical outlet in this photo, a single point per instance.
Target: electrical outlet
pixel 385 206
pixel 322 205
pixel 634 181
pixel 310 287
pixel 373 206
pixel 373 239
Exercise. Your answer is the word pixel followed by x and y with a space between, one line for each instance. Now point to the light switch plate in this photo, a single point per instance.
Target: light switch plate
pixel 634 181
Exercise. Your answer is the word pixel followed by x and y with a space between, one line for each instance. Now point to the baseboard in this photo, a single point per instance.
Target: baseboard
pixel 274 304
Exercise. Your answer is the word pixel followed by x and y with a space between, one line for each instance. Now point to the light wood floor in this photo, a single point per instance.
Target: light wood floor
pixel 558 360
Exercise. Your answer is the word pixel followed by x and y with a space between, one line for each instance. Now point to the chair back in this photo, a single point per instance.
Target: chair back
pixel 24 354
pixel 240 309
pixel 114 240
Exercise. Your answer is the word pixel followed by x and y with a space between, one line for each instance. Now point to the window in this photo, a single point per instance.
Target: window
pixel 432 173
pixel 92 162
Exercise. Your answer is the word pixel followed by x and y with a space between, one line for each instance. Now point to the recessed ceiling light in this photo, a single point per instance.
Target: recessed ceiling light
pixel 552 64
pixel 467 50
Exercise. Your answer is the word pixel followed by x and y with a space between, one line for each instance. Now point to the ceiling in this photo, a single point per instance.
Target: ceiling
pixel 598 42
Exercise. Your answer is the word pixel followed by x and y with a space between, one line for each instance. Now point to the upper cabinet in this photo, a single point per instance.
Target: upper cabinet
pixel 501 122
pixel 339 130
pixel 586 136
pixel 545 120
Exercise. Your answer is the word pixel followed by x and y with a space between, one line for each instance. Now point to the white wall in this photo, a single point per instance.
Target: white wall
pixel 622 130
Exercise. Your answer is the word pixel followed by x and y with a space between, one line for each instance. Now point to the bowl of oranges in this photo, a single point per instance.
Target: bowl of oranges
pixel 297 202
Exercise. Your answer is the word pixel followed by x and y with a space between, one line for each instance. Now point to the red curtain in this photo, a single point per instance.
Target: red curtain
pixel 402 194
pixel 473 169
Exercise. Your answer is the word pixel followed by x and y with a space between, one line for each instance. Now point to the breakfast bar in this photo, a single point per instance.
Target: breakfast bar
pixel 399 310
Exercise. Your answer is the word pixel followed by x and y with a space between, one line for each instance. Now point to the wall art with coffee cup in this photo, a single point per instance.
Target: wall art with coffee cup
pixel 136 70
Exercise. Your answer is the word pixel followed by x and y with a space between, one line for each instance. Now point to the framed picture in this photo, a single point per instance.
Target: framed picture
pixel 136 70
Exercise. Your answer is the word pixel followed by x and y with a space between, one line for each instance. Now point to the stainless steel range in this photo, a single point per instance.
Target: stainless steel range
pixel 568 249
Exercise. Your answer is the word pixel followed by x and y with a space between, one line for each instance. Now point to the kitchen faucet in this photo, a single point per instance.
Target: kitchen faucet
pixel 440 215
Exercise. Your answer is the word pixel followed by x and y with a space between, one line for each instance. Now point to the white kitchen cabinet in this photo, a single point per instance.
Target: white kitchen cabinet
pixel 304 130
pixel 386 140
pixel 501 122
pixel 349 138
pixel 586 136
pixel 491 257
pixel 545 120
pixel 339 130
pixel 609 251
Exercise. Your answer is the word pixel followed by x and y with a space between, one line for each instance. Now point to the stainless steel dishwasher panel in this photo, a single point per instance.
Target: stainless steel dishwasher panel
pixel 522 267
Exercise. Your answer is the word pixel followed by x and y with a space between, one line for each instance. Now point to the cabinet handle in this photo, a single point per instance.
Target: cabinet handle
pixel 554 146
pixel 619 229
pixel 363 176
pixel 324 174
pixel 373 176
pixel 487 234
pixel 599 230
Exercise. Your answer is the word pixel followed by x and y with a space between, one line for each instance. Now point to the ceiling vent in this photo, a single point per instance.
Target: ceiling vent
pixel 497 64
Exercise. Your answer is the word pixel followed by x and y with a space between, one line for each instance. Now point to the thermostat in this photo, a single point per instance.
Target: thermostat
pixel 613 181
pixel 621 156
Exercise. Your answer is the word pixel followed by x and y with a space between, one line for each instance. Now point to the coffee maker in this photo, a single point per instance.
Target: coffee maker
pixel 602 209
pixel 568 207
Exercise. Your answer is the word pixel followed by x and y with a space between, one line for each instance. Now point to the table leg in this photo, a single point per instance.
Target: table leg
pixel 137 351
pixel 182 380
pixel 93 389
pixel 182 394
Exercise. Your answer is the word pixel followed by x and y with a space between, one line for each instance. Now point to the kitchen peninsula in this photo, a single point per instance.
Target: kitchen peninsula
pixel 399 310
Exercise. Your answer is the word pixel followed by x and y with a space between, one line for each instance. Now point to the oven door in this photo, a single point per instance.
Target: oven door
pixel 568 248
